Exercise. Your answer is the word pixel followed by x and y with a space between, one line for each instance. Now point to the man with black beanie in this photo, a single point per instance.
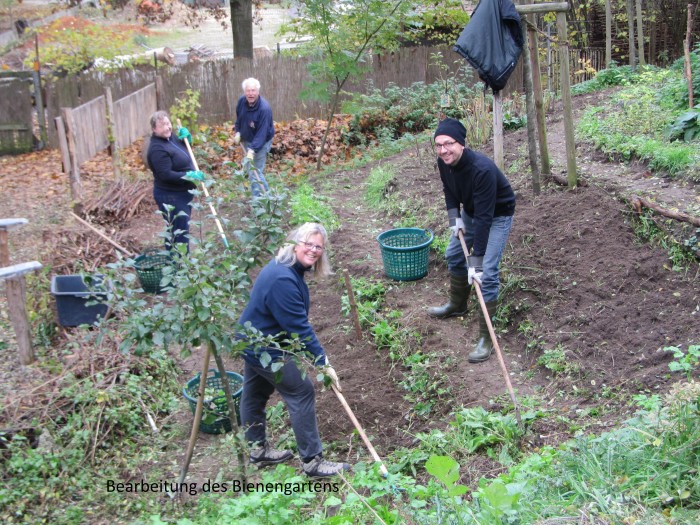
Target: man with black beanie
pixel 480 203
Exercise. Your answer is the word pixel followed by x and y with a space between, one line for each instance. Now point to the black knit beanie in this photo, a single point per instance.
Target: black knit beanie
pixel 452 128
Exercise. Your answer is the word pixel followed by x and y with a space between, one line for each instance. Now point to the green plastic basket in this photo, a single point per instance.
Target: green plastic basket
pixel 149 268
pixel 405 253
pixel 216 405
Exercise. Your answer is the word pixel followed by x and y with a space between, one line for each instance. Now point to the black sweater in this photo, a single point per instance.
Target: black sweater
pixel 170 161
pixel 476 184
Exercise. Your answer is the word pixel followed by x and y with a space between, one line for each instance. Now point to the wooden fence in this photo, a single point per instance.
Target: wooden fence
pixel 91 127
pixel 16 134
pixel 130 115
pixel 283 78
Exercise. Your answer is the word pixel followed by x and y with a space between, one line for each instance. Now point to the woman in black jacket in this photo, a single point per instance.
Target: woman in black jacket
pixel 173 172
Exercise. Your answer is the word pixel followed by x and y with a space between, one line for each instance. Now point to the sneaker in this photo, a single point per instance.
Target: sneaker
pixel 267 455
pixel 319 467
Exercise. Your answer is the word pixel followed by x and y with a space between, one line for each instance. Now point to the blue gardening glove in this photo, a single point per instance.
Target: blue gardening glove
pixel 194 175
pixel 475 270
pixel 250 155
pixel 459 225
pixel 184 133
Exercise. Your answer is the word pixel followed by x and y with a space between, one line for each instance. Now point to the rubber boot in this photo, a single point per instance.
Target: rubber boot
pixel 484 345
pixel 459 299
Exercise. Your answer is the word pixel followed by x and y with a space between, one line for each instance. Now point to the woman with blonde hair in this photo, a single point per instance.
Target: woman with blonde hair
pixel 279 306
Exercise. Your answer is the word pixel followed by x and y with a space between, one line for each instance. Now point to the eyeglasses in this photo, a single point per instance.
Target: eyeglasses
pixel 311 246
pixel 445 145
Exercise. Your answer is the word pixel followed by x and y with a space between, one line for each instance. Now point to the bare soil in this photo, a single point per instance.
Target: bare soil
pixel 586 286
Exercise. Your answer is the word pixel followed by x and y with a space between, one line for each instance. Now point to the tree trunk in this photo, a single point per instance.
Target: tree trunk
pixel 630 33
pixel 608 34
pixel 242 28
pixel 640 34
pixel 331 115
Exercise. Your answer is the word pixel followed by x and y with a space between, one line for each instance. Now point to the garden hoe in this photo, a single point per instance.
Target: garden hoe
pixel 364 437
pixel 492 333
pixel 206 192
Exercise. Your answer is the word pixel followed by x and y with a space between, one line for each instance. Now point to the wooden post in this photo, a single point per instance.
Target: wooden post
pixel 41 115
pixel 530 108
pixel 539 102
pixel 686 52
pixel 113 146
pixel 63 144
pixel 566 99
pixel 15 287
pixel 159 92
pixel 76 187
pixel 498 130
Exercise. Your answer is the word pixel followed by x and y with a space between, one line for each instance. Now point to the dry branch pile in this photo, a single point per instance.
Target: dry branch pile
pixel 120 201
pixel 71 252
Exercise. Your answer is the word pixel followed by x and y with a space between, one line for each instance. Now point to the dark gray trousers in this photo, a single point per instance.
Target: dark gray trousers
pixel 297 392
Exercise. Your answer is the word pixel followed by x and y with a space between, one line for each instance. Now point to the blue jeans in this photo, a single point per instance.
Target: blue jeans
pixel 298 394
pixel 178 218
pixel 498 237
pixel 258 187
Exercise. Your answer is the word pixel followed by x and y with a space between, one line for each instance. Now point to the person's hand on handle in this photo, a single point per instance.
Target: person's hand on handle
pixel 475 270
pixel 331 374
pixel 458 225
pixel 195 175
pixel 237 139
pixel 183 133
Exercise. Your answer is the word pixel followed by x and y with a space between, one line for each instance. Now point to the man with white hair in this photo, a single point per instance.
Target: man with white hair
pixel 254 128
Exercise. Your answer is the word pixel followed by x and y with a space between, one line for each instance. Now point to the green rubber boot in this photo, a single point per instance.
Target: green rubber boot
pixel 484 345
pixel 459 299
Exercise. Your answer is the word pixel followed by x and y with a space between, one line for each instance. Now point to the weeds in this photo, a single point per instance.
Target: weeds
pixel 380 185
pixel 556 362
pixel 685 362
pixel 309 206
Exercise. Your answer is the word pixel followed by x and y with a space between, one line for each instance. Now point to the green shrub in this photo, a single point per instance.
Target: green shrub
pixel 686 127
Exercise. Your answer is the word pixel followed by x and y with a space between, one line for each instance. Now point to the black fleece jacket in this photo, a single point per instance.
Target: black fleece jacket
pixel 170 161
pixel 279 305
pixel 476 184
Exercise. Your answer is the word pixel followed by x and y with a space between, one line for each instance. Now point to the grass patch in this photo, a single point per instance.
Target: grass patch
pixel 309 206
pixel 636 125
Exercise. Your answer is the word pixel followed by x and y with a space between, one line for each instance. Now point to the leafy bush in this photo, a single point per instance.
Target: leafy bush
pixel 675 92
pixel 613 76
pixel 686 127
pixel 397 111
pixel 71 45
pixel 185 109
